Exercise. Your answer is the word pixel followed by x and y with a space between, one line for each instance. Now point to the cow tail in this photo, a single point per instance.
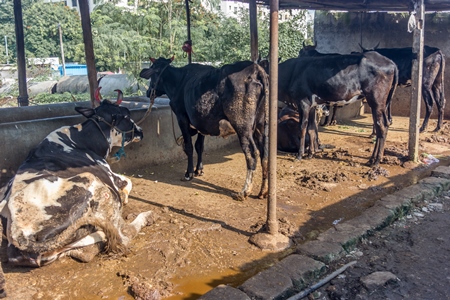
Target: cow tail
pixel 114 243
pixel 388 117
pixel 441 75
pixel 265 81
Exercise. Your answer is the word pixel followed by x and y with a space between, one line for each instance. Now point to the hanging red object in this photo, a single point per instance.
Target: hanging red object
pixel 187 47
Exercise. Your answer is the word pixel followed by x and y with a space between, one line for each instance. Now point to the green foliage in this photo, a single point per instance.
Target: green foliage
pixel 58 98
pixel 125 38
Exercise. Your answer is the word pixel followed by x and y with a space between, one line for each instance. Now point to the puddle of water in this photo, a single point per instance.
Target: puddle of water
pixel 192 287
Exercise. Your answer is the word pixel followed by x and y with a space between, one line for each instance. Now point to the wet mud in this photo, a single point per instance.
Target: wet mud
pixel 201 237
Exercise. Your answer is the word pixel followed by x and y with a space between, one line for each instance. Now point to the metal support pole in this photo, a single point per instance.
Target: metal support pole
pixel 6 47
pixel 188 18
pixel 88 48
pixel 21 64
pixel 416 79
pixel 253 30
pixel 63 62
pixel 272 222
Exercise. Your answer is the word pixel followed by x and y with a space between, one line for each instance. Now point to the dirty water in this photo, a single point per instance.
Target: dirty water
pixel 201 237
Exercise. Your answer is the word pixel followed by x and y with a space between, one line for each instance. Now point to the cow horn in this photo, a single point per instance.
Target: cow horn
pixel 315 44
pixel 152 60
pixel 376 47
pixel 97 95
pixel 119 96
pixel 362 48
pixel 304 44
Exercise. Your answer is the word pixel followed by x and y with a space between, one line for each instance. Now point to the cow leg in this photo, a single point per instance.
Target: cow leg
pixel 428 99
pixel 2 275
pixel 2 284
pixel 251 153
pixel 199 146
pixel 303 110
pixel 380 121
pixel 333 116
pixel 129 231
pixel 439 99
pixel 262 140
pixel 313 133
pixel 187 147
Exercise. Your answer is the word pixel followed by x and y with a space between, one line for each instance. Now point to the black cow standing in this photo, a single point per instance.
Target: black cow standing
pixel 308 81
pixel 432 77
pixel 310 50
pixel 219 102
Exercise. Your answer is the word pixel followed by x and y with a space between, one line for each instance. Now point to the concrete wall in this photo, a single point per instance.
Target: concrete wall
pixel 341 33
pixel 22 128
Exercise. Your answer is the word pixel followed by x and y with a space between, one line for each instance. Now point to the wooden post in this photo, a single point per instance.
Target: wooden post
pixel 22 100
pixel 88 48
pixel 253 30
pixel 416 80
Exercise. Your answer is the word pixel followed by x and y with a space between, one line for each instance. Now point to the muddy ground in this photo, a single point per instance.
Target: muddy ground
pixel 201 237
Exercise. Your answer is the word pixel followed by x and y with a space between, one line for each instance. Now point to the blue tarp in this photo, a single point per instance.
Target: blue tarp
pixel 73 70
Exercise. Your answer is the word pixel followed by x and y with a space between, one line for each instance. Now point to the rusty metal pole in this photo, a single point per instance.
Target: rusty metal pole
pixel 253 30
pixel 188 18
pixel 88 47
pixel 272 239
pixel 416 79
pixel 22 100
pixel 272 222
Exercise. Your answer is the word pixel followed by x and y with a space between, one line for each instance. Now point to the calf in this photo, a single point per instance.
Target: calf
pixel 64 198
pixel 432 77
pixel 306 82
pixel 219 102
pixel 288 134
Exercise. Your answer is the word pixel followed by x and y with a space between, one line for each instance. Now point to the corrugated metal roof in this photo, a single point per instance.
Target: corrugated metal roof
pixel 360 5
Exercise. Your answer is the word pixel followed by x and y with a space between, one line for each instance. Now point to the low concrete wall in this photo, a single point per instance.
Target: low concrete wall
pixel 22 128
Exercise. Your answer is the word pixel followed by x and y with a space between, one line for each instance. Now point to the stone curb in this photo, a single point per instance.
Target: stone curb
pixel 303 268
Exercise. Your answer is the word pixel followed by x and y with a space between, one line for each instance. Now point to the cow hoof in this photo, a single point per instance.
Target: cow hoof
pixel 86 254
pixel 239 196
pixel 188 177
pixel 198 173
pixel 150 217
pixel 263 195
pixel 372 163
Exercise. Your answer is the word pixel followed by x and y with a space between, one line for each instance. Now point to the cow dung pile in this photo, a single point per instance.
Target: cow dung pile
pixel 316 180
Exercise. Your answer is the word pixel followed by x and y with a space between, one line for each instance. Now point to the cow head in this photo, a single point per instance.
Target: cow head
pixel 154 74
pixel 366 50
pixel 308 50
pixel 120 129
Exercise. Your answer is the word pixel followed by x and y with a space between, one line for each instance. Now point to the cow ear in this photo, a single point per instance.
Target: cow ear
pixel 85 111
pixel 146 73
pixel 119 97
pixel 172 58
pixel 152 60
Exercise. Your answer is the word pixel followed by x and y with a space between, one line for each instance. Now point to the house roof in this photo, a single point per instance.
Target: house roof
pixel 361 5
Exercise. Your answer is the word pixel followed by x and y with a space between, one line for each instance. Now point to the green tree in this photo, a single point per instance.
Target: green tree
pixel 42 34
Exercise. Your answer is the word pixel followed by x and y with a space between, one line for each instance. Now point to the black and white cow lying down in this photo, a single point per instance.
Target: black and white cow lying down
pixel 64 198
